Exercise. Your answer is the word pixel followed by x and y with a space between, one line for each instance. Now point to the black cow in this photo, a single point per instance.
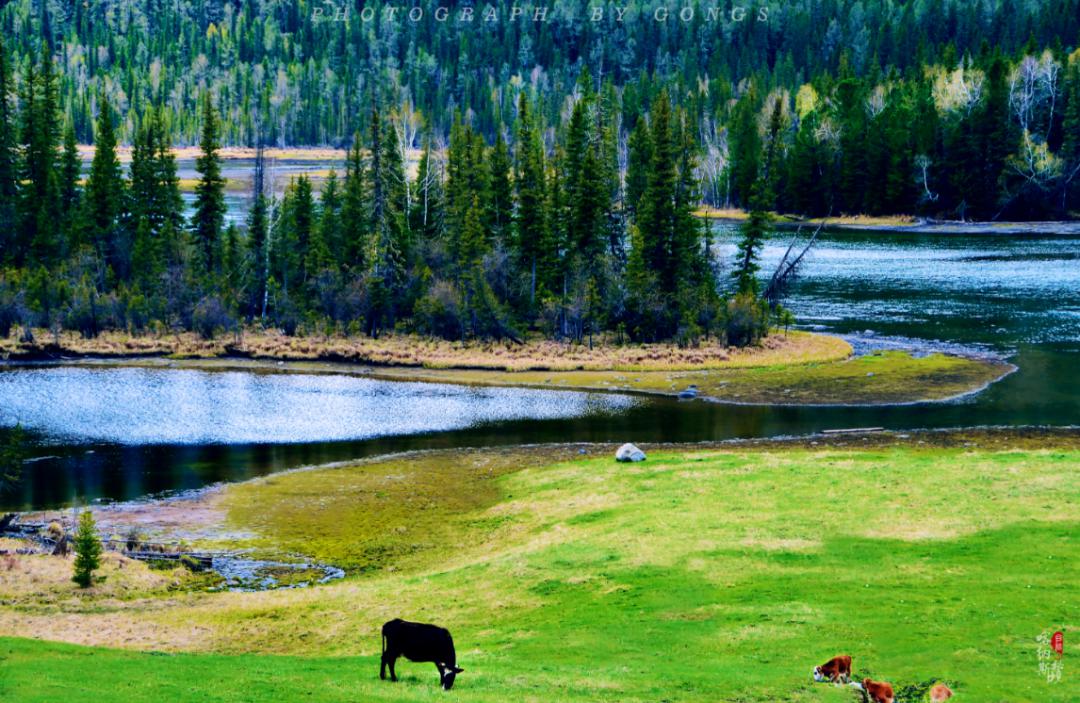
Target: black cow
pixel 418 642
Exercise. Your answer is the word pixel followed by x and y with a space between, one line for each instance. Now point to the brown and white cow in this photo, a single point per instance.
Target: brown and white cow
pixel 878 691
pixel 836 670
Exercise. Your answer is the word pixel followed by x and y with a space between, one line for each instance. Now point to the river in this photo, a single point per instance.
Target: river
pixel 124 433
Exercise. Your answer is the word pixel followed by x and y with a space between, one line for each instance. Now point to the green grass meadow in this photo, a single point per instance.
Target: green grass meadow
pixel 698 575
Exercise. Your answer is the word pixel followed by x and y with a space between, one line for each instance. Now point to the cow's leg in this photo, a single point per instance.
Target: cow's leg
pixel 388 659
pixel 442 671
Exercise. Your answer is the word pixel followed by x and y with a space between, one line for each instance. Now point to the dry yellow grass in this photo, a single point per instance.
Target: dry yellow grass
pixel 43 580
pixel 797 368
pixel 423 352
pixel 738 215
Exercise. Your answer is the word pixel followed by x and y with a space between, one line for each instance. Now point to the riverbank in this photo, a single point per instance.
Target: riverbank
pixel 797 368
pixel 898 223
pixel 732 569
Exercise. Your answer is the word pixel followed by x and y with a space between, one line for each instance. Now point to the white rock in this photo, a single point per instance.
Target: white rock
pixel 628 452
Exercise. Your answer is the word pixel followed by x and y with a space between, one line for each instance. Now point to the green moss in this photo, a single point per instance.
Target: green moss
pixel 881 378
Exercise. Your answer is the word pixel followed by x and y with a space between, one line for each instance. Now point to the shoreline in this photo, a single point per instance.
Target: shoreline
pixel 199 517
pixel 900 224
pixel 799 369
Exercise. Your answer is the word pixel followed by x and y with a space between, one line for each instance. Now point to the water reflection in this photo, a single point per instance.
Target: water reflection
pixel 134 406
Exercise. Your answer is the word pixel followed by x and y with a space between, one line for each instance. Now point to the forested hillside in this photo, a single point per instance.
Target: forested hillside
pixel 562 160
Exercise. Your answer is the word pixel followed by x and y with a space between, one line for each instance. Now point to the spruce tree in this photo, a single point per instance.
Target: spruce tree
pixel 70 191
pixel 530 216
pixel 637 169
pixel 38 206
pixel 143 176
pixel 748 251
pixel 168 210
pixel 852 175
pixel 745 148
pixel 329 228
pixel 87 550
pixel 389 241
pixel 354 212
pixel 808 190
pixel 8 158
pixel 103 204
pixel 209 216
pixel 258 239
pixel 70 173
pixel 500 203
pixel 146 257
pixel 302 223
pixel 656 211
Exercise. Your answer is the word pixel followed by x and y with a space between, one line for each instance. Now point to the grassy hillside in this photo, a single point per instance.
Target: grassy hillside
pixel 699 575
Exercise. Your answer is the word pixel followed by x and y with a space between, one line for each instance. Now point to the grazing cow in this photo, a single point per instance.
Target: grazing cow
pixel 418 642
pixel 940 692
pixel 836 670
pixel 878 691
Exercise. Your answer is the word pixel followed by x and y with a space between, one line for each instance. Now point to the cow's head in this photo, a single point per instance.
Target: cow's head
pixel 448 676
pixel 818 676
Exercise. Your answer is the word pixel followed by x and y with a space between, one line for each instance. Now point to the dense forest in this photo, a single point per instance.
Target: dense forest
pixel 560 161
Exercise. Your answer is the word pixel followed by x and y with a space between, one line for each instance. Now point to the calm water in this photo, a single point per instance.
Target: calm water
pixel 123 433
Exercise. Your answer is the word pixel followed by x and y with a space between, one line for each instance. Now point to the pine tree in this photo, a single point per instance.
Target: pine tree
pixel 354 212
pixel 70 173
pixel 853 171
pixel 656 211
pixel 329 228
pixel 808 189
pixel 147 263
pixel 745 148
pixel 389 241
pixel 637 170
pixel 38 206
pixel 692 272
pixel 258 239
pixel 655 265
pixel 772 165
pixel 530 217
pixel 461 184
pixel 500 203
pixel 479 306
pixel 752 239
pixel 87 550
pixel 70 192
pixel 168 210
pixel 209 217
pixel 302 223
pixel 231 261
pixel 8 158
pixel 143 172
pixel 103 204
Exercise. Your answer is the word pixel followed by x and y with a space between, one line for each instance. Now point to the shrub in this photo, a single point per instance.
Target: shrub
pixel 211 316
pixel 746 320
pixel 438 313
